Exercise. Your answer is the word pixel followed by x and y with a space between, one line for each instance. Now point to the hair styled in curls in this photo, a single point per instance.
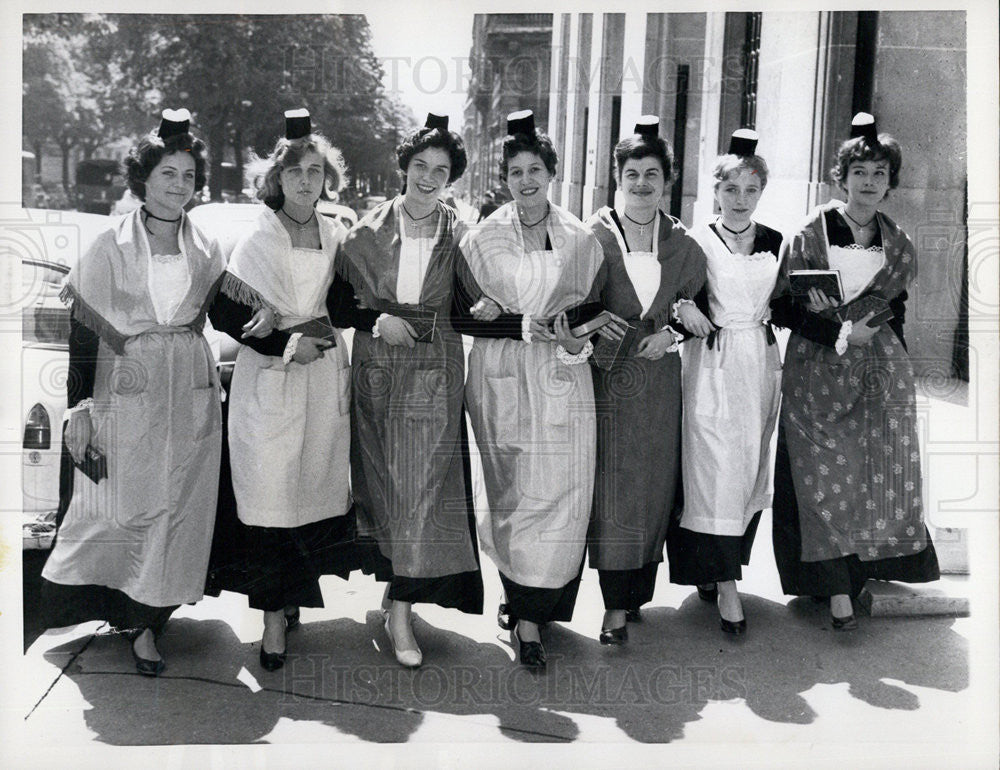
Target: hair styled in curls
pixel 860 149
pixel 728 166
pixel 539 145
pixel 266 172
pixel 637 147
pixel 425 138
pixel 146 156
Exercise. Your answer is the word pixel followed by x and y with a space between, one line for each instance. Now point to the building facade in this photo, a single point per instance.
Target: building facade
pixel 797 78
pixel 510 61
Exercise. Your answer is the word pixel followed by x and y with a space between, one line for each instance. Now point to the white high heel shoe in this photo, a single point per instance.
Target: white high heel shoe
pixel 408 658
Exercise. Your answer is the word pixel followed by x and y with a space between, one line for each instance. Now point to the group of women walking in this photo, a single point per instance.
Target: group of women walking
pixel 597 437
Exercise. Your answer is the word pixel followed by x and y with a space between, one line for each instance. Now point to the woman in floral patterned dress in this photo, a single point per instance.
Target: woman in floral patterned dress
pixel 847 502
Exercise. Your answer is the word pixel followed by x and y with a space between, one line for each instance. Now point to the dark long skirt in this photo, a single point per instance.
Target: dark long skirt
pixel 697 558
pixel 843 575
pixel 461 590
pixel 541 605
pixel 628 589
pixel 67 605
pixel 276 566
pixel 410 470
pixel 637 482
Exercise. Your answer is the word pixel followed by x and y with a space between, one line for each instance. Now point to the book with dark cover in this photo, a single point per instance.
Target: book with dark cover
pixel 609 353
pixel 423 321
pixel 94 464
pixel 321 328
pixel 827 281
pixel 584 319
pixel 862 306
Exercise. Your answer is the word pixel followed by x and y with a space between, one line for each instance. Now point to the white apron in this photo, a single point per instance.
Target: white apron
pixel 146 529
pixel 731 395
pixel 289 426
pixel 532 415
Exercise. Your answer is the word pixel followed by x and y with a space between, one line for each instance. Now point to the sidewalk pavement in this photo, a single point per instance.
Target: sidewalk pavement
pixel 897 692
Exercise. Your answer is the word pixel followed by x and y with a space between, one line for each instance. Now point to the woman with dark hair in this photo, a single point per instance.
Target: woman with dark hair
pixel 144 423
pixel 409 454
pixel 847 504
pixel 652 264
pixel 289 423
pixel 529 392
pixel 732 378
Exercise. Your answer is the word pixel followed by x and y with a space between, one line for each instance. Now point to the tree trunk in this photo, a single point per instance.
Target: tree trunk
pixel 216 151
pixel 238 151
pixel 37 148
pixel 65 146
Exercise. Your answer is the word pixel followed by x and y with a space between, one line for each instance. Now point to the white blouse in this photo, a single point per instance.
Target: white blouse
pixel 169 281
pixel 642 267
pixel 414 257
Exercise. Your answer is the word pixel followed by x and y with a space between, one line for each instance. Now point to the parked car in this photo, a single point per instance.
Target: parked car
pixel 99 183
pixel 44 357
pixel 343 214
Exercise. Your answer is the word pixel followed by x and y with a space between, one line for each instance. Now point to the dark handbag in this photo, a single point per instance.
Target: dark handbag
pixel 862 306
pixel 609 353
pixel 584 319
pixel 423 321
pixel 94 464
pixel 321 328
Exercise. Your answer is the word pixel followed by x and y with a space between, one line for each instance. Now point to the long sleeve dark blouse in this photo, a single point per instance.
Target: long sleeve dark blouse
pixel 230 316
pixel 505 325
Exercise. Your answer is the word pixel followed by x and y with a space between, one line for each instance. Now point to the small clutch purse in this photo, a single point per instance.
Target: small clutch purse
pixel 423 321
pixel 584 319
pixel 94 464
pixel 862 306
pixel 608 353
pixel 320 328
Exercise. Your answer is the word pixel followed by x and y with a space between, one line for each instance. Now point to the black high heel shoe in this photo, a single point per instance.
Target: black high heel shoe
pixel 708 594
pixel 531 654
pixel 850 623
pixel 144 666
pixel 614 636
pixel 292 620
pixel 505 620
pixel 271 661
pixel 633 615
pixel 734 627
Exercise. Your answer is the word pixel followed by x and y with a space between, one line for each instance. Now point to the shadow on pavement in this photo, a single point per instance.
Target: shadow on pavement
pixel 340 674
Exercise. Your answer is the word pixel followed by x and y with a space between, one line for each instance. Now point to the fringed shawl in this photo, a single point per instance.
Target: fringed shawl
pixel 109 287
pixel 369 258
pixel 495 247
pixel 807 250
pixel 259 277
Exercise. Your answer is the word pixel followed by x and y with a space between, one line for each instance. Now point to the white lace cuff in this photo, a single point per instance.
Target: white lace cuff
pixel 677 306
pixel 572 359
pixel 375 332
pixel 86 405
pixel 526 327
pixel 845 330
pixel 291 347
pixel 678 339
